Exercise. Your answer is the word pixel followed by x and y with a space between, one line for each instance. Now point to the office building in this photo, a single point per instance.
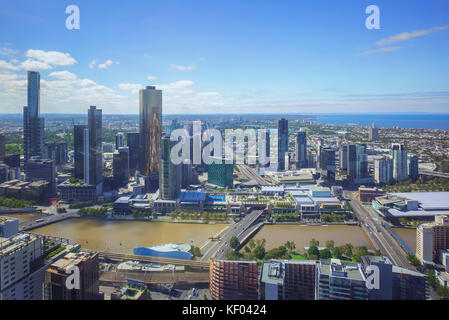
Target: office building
pixel 150 130
pixel 119 140
pixel 8 227
pixel 57 273
pixel 93 164
pixel 169 173
pixel 2 147
pixel 120 167
pixel 412 166
pixel 78 145
pixel 395 283
pixel 233 280
pixel 383 170
pixel 357 163
pixel 301 149
pixel 343 157
pixel 431 239
pixel 327 163
pixel 221 174
pixel 38 169
pixel 400 171
pixel 20 275
pixel 33 124
pixel 282 143
pixel 288 280
pixel 56 151
pixel 373 133
pixel 132 141
pixel 339 280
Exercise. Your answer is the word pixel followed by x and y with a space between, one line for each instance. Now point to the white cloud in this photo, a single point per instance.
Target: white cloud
pixel 152 78
pixel 107 64
pixel 178 87
pixel 8 65
pixel 385 49
pixel 408 35
pixel 5 51
pixel 63 75
pixel 53 58
pixel 35 65
pixel 182 68
pixel 92 64
pixel 132 87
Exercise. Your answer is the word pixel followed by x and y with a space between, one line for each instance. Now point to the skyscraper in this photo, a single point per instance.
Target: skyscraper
pixel 169 173
pixel 118 140
pixel 327 163
pixel 373 133
pixel 343 157
pixel 400 172
pixel 301 149
pixel 150 127
pixel 412 165
pixel 383 170
pixel 120 167
pixel 95 157
pixel 357 162
pixel 33 124
pixel 2 147
pixel 282 143
pixel 132 141
pixel 78 145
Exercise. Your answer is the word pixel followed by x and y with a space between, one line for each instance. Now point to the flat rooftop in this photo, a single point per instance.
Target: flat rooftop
pixel 428 200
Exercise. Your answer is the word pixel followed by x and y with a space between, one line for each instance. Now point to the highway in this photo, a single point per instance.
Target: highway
pixel 380 236
pixel 218 248
pixel 434 173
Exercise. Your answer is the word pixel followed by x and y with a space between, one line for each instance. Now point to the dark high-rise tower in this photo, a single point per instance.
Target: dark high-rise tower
pixel 78 144
pixel 120 167
pixel 150 129
pixel 282 143
pixel 169 173
pixel 301 150
pixel 33 124
pixel 132 140
pixel 95 159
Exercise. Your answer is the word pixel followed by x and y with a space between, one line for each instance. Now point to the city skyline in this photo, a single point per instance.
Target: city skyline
pixel 295 57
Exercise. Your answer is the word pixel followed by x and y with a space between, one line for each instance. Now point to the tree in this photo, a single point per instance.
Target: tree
pixel 325 254
pixel 252 244
pixel 154 215
pixel 313 251
pixel 149 294
pixel 360 252
pixel 346 249
pixel 314 243
pixel 336 253
pixel 234 242
pixel 330 244
pixel 290 245
pixel 196 251
pixel 259 252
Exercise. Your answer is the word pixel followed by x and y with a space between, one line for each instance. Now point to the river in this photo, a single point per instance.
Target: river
pixel 124 236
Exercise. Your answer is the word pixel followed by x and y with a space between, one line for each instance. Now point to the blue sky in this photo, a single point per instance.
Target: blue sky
pixel 228 56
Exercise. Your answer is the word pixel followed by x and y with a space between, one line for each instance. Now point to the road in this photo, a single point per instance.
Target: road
pixel 380 236
pixel 251 173
pixel 434 173
pixel 44 220
pixel 239 229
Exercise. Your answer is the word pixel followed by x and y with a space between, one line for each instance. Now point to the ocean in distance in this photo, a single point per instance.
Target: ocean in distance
pixel 410 121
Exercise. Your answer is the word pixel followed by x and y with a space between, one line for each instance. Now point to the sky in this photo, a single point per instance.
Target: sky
pixel 213 56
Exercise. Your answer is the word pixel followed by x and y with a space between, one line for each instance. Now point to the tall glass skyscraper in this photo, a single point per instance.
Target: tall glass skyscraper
pixel 282 142
pixel 301 149
pixel 33 124
pixel 95 154
pixel 150 127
